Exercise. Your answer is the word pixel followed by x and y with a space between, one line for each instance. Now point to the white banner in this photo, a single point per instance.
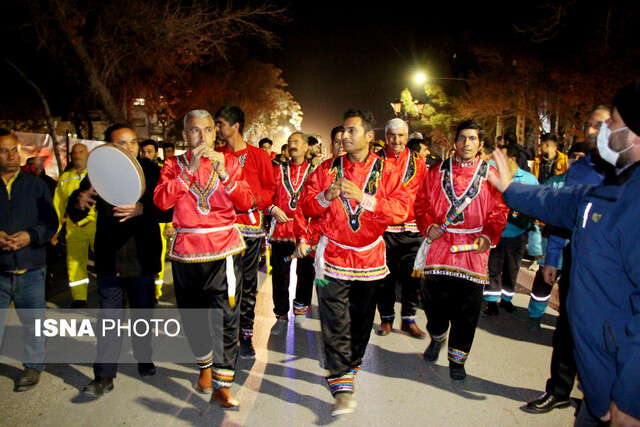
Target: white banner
pixel 39 145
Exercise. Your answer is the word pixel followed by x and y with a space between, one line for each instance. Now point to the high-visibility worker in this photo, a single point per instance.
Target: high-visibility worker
pixel 81 235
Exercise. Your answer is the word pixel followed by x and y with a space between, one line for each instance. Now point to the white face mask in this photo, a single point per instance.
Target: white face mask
pixel 605 151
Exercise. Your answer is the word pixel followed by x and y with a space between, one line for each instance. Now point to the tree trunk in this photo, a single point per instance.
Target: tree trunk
pixel 89 128
pixel 97 85
pixel 47 115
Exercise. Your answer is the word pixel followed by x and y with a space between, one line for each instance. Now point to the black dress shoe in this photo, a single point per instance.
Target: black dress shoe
pixel 246 349
pixel 99 386
pixel 491 309
pixel 508 306
pixel 457 372
pixel 547 402
pixel 79 303
pixel 146 369
pixel 533 324
pixel 28 379
pixel 430 355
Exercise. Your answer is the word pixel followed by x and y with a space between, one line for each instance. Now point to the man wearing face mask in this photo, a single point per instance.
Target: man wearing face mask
pixel 604 300
pixel 591 169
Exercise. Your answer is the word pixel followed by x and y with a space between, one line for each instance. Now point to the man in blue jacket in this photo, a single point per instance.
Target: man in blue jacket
pixel 27 223
pixel 604 299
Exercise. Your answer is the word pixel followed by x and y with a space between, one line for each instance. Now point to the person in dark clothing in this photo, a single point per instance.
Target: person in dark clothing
pixel 603 299
pixel 589 170
pixel 27 223
pixel 525 155
pixel 127 252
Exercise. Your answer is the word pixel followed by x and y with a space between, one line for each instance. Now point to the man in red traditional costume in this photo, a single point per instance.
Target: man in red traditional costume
pixel 452 290
pixel 402 240
pixel 258 173
pixel 356 197
pixel 205 187
pixel 291 178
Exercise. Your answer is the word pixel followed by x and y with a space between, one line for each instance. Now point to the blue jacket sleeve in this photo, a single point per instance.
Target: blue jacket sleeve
pixel 626 392
pixel 554 206
pixel 555 247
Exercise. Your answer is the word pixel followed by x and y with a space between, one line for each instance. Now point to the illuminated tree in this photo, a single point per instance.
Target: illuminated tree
pixel 129 49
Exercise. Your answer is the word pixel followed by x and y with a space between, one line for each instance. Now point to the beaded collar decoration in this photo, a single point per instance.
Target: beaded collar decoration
pixel 370 187
pixel 202 194
pixel 294 193
pixel 472 190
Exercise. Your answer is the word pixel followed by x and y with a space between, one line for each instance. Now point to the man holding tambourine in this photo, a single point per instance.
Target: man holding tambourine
pixel 127 243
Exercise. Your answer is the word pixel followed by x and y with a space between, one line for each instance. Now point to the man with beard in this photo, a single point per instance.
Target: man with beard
pixel 551 162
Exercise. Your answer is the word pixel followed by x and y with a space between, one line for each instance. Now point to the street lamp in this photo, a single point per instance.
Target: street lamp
pixel 404 115
pixel 397 107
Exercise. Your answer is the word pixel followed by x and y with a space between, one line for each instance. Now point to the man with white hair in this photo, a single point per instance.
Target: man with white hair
pixel 402 240
pixel 604 298
pixel 205 187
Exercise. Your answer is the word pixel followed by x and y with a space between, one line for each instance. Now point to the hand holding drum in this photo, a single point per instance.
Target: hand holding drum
pixel 116 176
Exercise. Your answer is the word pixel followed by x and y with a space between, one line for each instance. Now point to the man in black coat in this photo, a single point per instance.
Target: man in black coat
pixel 127 253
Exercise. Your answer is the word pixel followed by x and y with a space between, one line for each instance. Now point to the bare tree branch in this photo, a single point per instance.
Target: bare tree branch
pixel 47 113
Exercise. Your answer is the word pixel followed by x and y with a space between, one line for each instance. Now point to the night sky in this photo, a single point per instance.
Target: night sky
pixel 336 56
pixel 340 55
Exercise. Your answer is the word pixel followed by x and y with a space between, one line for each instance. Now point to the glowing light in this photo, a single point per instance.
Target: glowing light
pixel 420 78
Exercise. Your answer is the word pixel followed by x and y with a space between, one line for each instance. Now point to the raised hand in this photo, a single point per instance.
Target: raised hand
pixel 86 199
pixel 502 180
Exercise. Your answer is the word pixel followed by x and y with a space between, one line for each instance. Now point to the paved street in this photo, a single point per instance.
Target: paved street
pixel 285 385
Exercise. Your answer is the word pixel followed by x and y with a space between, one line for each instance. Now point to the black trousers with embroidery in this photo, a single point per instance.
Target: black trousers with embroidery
pixel 281 275
pixel 347 309
pixel 250 261
pixel 200 286
pixel 456 302
pixel 401 254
